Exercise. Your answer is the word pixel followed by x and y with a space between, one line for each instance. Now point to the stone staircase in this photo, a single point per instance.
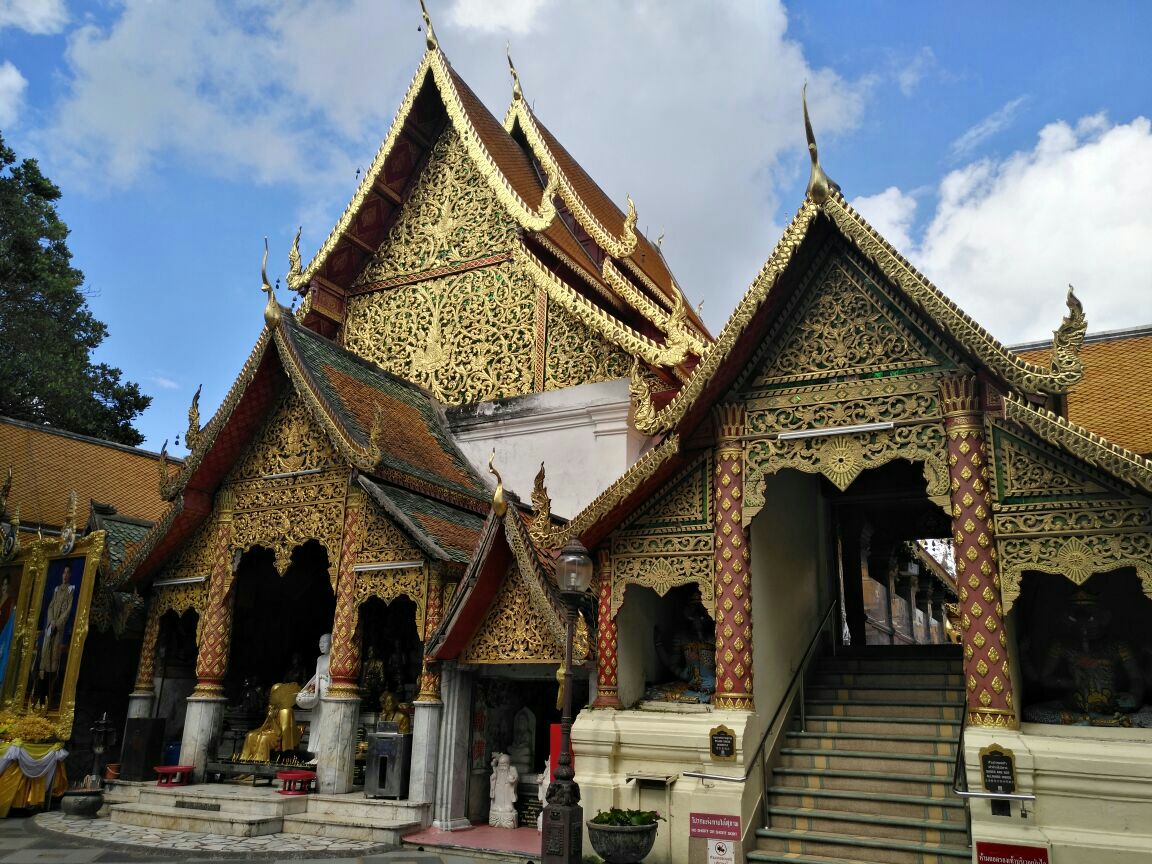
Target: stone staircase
pixel 247 811
pixel 869 778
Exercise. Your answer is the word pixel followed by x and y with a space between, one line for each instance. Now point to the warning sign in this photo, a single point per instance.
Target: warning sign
pixel 714 826
pixel 1009 853
pixel 721 852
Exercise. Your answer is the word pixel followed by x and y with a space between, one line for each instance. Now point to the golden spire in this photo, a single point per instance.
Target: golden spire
pixel 192 434
pixel 295 273
pixel 517 93
pixel 820 185
pixel 499 503
pixel 429 33
pixel 272 308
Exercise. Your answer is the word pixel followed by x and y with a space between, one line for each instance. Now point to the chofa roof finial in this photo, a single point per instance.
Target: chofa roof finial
pixel 499 502
pixel 820 185
pixel 517 93
pixel 272 308
pixel 429 33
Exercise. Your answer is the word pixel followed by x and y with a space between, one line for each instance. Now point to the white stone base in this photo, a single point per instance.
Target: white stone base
pixel 425 751
pixel 333 739
pixel 201 733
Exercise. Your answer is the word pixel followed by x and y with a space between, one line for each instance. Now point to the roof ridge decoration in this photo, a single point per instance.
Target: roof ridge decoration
pixel 820 185
pixel 1082 443
pixel 529 217
pixel 672 323
pixel 499 502
pixel 542 504
pixel 671 354
pixel 192 433
pixel 517 93
pixel 602 504
pixel 271 308
pixel 617 246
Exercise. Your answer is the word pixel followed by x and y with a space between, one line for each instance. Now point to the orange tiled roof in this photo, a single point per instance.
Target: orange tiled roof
pixel 47 464
pixel 1114 399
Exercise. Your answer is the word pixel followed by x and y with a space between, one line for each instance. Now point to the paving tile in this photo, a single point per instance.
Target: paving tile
pixel 52 856
pixel 15 842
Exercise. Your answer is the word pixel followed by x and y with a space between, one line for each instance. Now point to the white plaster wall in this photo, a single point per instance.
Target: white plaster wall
pixel 1093 789
pixel 581 434
pixel 788 582
pixel 635 641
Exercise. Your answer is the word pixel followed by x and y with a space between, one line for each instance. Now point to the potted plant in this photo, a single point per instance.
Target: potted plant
pixel 623 836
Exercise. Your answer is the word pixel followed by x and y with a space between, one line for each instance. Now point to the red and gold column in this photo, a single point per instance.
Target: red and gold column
pixel 607 694
pixel 987 672
pixel 434 612
pixel 733 579
pixel 146 670
pixel 216 634
pixel 345 662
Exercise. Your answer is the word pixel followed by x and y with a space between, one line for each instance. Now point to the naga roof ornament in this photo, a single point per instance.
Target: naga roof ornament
pixel 1068 341
pixel 820 185
pixel 295 276
pixel 271 308
pixel 645 415
pixel 192 434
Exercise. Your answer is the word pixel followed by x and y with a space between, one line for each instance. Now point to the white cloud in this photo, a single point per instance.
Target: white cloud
pixel 164 383
pixel 496 16
pixel 992 125
pixel 34 16
pixel 1008 236
pixel 302 93
pixel 890 212
pixel 908 77
pixel 12 87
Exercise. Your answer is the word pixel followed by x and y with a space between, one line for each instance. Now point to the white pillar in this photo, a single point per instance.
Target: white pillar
pixel 450 804
pixel 333 740
pixel 425 751
pixel 201 732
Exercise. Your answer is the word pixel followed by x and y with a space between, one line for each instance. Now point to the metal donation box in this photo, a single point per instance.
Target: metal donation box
pixel 386 768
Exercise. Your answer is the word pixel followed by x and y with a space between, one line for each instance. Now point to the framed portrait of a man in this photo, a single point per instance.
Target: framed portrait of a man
pixel 56 626
pixel 14 591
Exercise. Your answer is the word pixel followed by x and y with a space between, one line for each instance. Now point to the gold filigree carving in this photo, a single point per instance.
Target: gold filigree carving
pixel 194 558
pixel 682 506
pixel 452 215
pixel 574 354
pixel 662 573
pixel 1026 475
pixel 289 442
pixel 842 458
pixel 673 324
pixel 483 350
pixel 383 542
pixel 643 412
pixel 388 585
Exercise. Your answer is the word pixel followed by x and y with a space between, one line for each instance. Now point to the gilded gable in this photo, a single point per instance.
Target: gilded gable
pixel 842 323
pixel 290 441
pixel 520 627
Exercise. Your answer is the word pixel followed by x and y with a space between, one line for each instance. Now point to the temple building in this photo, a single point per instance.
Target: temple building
pixel 864 586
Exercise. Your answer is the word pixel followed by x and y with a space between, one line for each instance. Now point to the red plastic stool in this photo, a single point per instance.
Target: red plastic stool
pixel 296 782
pixel 173 775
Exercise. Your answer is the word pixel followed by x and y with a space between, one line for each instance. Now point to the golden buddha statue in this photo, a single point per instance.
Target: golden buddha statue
pixel 391 713
pixel 278 732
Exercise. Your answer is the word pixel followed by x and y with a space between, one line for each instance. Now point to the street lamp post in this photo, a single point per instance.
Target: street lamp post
pixel 103 736
pixel 563 835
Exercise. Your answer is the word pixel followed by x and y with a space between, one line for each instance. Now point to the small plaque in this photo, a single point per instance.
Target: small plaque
pixel 722 744
pixel 998 769
pixel 714 826
pixel 721 852
pixel 997 853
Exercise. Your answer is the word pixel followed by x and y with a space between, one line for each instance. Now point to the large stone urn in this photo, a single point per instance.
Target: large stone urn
pixel 82 803
pixel 622 844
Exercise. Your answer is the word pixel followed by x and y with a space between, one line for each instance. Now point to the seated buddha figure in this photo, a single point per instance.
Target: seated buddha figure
pixel 278 731
pixel 390 713
pixel 690 655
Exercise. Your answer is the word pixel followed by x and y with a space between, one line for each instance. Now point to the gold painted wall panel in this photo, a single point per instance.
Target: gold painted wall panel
pixel 576 355
pixel 467 337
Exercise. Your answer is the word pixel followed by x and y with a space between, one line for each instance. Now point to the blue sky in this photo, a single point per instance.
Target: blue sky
pixel 1005 148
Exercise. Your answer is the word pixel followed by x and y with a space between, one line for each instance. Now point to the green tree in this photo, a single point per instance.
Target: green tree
pixel 47 331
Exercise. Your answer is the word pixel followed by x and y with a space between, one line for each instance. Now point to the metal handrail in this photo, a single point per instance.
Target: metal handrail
pixel 958 775
pixel 749 764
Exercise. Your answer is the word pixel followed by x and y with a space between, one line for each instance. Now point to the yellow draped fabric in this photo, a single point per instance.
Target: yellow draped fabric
pixel 19 791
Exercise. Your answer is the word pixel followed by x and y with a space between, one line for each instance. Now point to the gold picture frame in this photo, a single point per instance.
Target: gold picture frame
pixel 56 627
pixel 16 580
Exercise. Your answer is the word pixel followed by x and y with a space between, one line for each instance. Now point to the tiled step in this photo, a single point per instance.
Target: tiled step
pixel 853 848
pixel 909 694
pixel 200 798
pixel 949 809
pixel 864 781
pixel 881 825
pixel 232 824
pixel 863 725
pixel 921 745
pixel 952 681
pixel 388 831
pixel 368 809
pixel 866 760
pixel 873 708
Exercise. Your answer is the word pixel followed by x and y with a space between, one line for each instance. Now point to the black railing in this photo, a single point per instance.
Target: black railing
pixel 798 675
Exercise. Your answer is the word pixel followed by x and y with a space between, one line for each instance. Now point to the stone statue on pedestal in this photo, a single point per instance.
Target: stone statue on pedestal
pixel 543 781
pixel 502 791
pixel 521 749
pixel 312 692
